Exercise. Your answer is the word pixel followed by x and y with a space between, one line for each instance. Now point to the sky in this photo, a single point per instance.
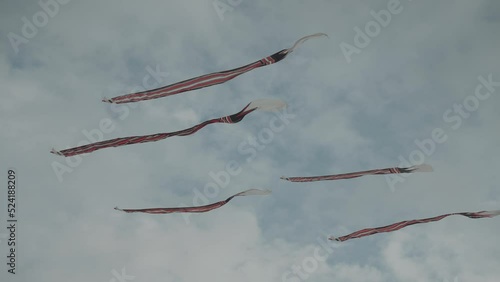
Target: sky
pixel 395 83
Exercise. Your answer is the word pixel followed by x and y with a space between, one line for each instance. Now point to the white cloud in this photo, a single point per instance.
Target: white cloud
pixel 348 116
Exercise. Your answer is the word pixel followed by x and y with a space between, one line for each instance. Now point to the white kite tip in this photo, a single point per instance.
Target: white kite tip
pixel 322 34
pixel 56 152
pixel 261 191
pixel 106 100
pixel 332 238
pixel 267 104
pixel 255 192
pixel 304 39
pixel 492 213
pixel 422 168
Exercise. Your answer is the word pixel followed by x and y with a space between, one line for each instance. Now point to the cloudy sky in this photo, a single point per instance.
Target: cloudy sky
pixel 391 77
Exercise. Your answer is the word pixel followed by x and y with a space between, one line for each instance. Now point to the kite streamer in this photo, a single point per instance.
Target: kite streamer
pixel 402 224
pixel 198 209
pixel 391 170
pixel 262 104
pixel 208 79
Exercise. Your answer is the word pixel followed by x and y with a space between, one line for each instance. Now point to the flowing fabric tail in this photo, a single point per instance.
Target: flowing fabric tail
pixel 206 80
pixel 350 175
pixel 261 104
pixel 196 209
pixel 399 225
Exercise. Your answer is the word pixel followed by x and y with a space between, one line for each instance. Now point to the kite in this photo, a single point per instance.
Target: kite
pixel 198 209
pixel 261 104
pixel 391 170
pixel 402 224
pixel 207 79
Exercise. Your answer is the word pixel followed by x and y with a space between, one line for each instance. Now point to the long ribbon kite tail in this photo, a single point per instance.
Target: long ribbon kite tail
pixel 403 224
pixel 207 79
pixel 198 209
pixel 391 170
pixel 262 104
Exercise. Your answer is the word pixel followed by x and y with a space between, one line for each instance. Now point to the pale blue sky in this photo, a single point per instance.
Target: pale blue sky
pixel 347 116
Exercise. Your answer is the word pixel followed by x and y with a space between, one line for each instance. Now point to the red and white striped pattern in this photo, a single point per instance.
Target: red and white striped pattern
pixel 186 85
pixel 403 224
pixel 198 209
pixel 117 142
pixel 390 170
pixel 205 80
